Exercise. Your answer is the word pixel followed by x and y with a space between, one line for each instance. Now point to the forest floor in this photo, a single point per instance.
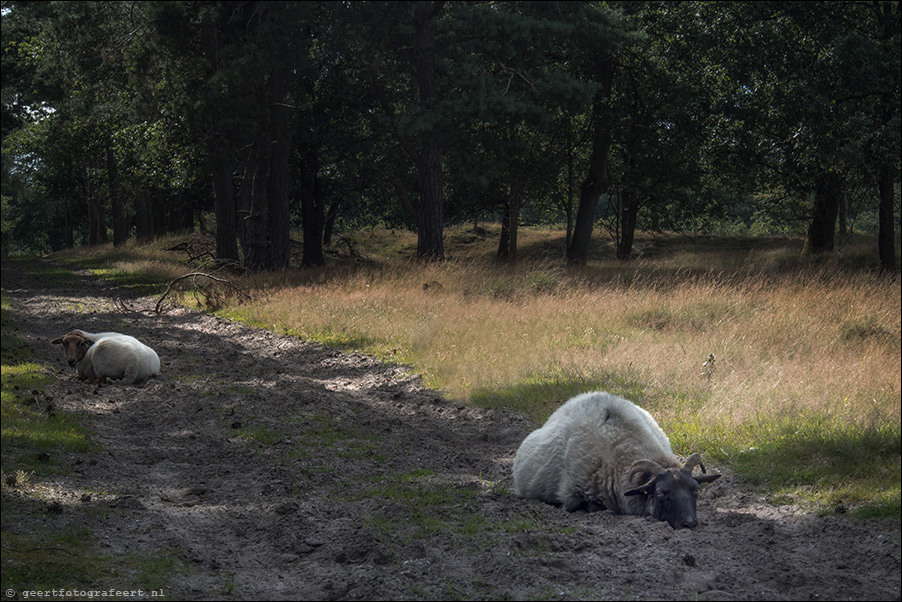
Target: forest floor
pixel 272 468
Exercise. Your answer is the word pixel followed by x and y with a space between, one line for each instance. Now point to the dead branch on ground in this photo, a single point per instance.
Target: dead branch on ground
pixel 210 290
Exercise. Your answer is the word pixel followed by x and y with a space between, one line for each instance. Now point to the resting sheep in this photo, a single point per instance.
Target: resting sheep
pixel 109 355
pixel 601 451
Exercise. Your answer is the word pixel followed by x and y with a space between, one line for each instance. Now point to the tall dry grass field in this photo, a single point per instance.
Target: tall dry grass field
pixel 793 342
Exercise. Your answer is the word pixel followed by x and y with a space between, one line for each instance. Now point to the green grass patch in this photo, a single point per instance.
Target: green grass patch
pixel 263 435
pixel 54 558
pixel 143 283
pixel 141 269
pixel 34 433
pixel 539 395
pixel 826 463
pixel 68 557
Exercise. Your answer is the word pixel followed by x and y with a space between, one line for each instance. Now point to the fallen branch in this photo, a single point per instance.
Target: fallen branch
pixel 208 291
pixel 351 250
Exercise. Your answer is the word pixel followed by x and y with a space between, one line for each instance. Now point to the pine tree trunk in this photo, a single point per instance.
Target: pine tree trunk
pixel 822 229
pixel 507 249
pixel 629 210
pixel 329 225
pixel 120 222
pixel 312 213
pixel 144 218
pixel 430 220
pixel 96 223
pixel 886 235
pixel 279 223
pixel 226 218
pixel 504 241
pixel 225 206
pixel 253 207
pixel 596 181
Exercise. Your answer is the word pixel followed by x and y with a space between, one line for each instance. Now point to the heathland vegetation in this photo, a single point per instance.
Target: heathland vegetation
pixel 783 368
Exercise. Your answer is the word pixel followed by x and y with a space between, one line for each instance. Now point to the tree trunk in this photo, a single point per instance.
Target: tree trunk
pixel 253 207
pixel 504 241
pixel 224 205
pixel 70 229
pixel 570 172
pixel 312 212
pixel 596 181
pixel 279 223
pixel 822 229
pixel 430 220
pixel 842 216
pixel 507 247
pixel 886 235
pixel 144 218
pixel 225 210
pixel 329 225
pixel 96 223
pixel 120 221
pixel 629 210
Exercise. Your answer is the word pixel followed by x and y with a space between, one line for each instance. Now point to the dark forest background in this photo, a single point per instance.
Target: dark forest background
pixel 263 121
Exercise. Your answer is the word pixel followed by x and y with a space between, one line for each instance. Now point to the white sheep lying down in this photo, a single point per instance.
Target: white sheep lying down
pixel 109 355
pixel 599 451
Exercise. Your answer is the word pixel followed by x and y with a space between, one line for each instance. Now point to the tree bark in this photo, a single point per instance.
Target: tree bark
pixel 430 220
pixel 120 221
pixel 507 246
pixel 224 201
pixel 312 212
pixel 331 217
pixel 886 235
pixel 225 210
pixel 822 229
pixel 629 210
pixel 596 181
pixel 144 217
pixel 280 134
pixel 253 206
pixel 96 223
pixel 504 241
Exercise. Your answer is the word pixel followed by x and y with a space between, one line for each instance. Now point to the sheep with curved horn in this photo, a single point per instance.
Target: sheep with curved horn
pixel 599 451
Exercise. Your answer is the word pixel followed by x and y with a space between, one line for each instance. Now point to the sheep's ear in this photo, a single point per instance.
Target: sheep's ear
pixel 57 341
pixel 706 478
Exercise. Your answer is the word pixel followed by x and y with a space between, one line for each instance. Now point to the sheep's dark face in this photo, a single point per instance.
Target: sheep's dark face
pixel 670 493
pixel 673 499
pixel 75 346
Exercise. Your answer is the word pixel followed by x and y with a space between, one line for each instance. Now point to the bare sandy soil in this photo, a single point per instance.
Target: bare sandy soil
pixel 274 468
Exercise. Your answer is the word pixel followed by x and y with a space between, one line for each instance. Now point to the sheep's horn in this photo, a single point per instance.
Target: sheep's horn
pixel 645 467
pixel 645 489
pixel 693 461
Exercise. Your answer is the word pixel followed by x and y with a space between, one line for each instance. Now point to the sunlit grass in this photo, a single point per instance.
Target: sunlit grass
pixel 143 269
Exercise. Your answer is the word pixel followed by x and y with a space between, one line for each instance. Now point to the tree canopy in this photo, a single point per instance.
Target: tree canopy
pixel 133 119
